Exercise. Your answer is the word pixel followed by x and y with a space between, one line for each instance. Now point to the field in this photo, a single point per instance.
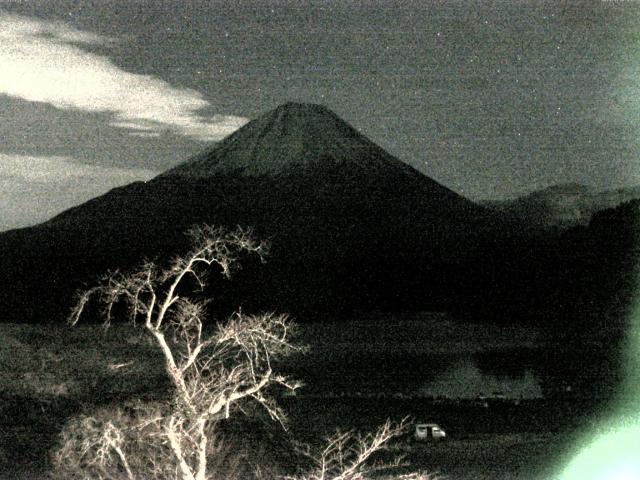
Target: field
pixel 50 373
pixel 29 430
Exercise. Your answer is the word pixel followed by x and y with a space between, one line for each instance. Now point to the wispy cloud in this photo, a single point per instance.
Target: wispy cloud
pixel 52 170
pixel 44 61
pixel 40 187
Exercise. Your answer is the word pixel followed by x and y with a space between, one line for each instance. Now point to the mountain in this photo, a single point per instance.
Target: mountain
pixel 613 198
pixel 562 206
pixel 293 137
pixel 351 226
pixel 556 206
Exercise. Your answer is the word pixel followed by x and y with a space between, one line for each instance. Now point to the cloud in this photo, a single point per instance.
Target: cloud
pixel 34 189
pixel 43 61
pixel 36 129
pixel 61 169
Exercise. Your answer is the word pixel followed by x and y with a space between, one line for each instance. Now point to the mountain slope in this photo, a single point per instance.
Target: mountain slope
pixel 351 226
pixel 294 136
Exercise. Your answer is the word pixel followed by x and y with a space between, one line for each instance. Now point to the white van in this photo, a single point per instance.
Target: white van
pixel 425 432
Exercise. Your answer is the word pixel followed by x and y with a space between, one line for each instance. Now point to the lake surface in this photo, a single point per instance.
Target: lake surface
pixel 426 354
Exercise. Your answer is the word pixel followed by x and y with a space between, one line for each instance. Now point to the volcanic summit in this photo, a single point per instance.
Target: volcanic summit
pixel 294 136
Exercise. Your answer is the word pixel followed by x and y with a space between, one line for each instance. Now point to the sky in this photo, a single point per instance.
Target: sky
pixel 491 99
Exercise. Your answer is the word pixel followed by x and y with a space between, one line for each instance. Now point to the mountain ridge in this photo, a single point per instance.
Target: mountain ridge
pixel 562 205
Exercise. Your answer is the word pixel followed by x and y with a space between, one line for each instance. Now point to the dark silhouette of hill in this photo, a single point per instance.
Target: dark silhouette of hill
pixel 562 206
pixel 351 226
pixel 578 285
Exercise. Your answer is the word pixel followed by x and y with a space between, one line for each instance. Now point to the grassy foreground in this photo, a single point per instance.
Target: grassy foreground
pixel 50 373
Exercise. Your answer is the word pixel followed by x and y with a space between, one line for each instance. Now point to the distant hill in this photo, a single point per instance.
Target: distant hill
pixel 351 226
pixel 613 198
pixel 562 206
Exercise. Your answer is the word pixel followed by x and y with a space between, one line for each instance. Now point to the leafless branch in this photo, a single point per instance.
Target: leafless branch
pixel 347 456
pixel 212 373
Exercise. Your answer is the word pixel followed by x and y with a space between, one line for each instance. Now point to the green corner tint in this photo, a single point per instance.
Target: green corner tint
pixel 613 455
pixel 611 450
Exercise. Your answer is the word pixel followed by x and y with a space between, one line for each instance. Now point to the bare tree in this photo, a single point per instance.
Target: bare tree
pixel 211 372
pixel 345 456
pixel 352 456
